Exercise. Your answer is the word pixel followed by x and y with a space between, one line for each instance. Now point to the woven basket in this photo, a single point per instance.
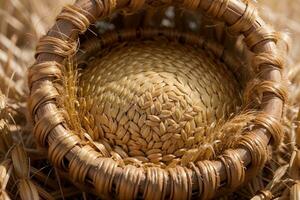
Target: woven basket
pixel 146 97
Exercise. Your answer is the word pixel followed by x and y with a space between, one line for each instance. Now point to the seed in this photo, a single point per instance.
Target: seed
pixel 124 147
pixel 153 151
pixel 132 148
pixel 156 138
pixel 183 104
pixel 173 96
pixel 126 138
pixel 135 136
pixel 162 128
pixel 120 115
pixel 150 145
pixel 156 130
pixel 136 117
pixel 123 120
pixel 197 109
pixel 174 128
pixel 166 144
pixel 154 118
pixel 154 156
pixel 156 160
pixel 157 92
pixel 188 117
pixel 118 142
pixel 171 149
pixel 181 88
pixel 113 126
pixel 184 135
pixel 141 102
pixel 142 120
pixel 152 109
pixel 148 111
pixel 168 157
pixel 114 112
pixel 171 122
pixel 157 145
pixel 105 128
pixel 158 106
pixel 131 112
pixel 165 97
pixel 193 125
pixel 177 136
pixel 101 132
pixel 149 138
pixel 147 105
pixel 134 127
pixel 102 119
pixel 133 143
pixel 148 96
pixel 187 127
pixel 165 113
pixel 91 120
pixel 145 131
pixel 190 156
pixel 110 136
pixel 134 153
pixel 107 107
pixel 176 115
pixel 120 132
pixel 142 142
pixel 151 123
pixel 166 137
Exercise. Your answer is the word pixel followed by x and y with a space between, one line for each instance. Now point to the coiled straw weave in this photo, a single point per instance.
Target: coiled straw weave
pixel 154 105
pixel 145 95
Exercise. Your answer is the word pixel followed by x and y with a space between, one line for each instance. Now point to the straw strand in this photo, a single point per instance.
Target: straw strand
pixel 76 16
pixel 245 22
pixel 56 46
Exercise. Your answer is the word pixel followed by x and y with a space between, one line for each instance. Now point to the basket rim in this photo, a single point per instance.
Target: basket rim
pixel 60 43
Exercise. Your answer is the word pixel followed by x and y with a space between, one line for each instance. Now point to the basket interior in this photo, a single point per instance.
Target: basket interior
pixel 155 99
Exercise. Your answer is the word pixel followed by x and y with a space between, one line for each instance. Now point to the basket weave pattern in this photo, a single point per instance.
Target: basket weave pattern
pixel 163 101
pixel 202 178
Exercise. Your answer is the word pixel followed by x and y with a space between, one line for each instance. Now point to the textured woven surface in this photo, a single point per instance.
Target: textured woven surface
pixel 88 158
pixel 152 101
pixel 278 179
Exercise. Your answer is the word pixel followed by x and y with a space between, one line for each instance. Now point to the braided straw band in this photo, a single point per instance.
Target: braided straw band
pixel 105 172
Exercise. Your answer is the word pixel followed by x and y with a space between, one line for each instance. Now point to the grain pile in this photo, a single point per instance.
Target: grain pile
pixel 25 171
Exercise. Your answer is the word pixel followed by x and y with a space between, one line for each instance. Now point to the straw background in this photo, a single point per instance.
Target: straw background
pixel 24 170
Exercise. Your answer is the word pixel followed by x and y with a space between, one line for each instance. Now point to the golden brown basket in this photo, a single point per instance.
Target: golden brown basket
pixel 159 173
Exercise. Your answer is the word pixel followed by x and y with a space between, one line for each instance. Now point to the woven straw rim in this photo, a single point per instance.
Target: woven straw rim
pixel 60 43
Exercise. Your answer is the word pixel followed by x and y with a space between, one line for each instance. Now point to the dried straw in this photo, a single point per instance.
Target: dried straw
pixel 15 133
pixel 111 108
